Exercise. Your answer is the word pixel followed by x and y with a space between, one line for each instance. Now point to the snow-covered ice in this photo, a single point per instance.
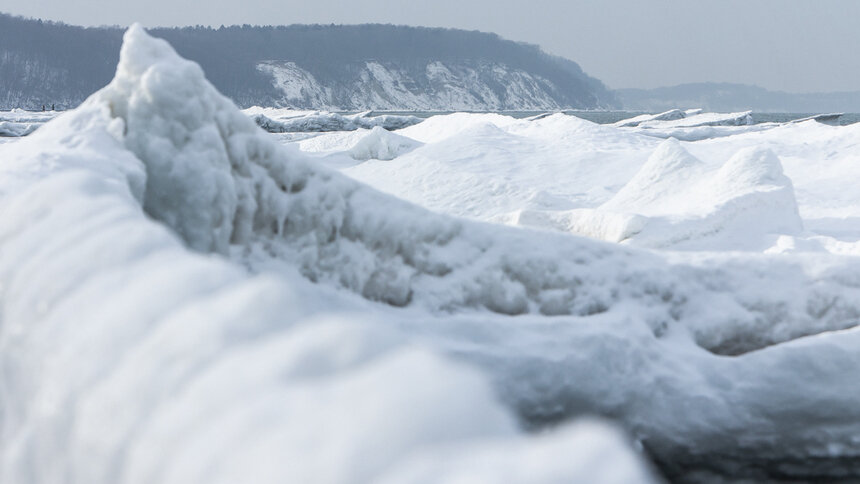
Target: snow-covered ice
pixel 564 173
pixel 185 299
pixel 676 201
pixel 693 119
pixel 18 122
pixel 671 115
pixel 693 124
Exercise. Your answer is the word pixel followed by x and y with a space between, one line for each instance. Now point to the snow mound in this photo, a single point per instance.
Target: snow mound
pixel 380 144
pixel 658 186
pixel 438 128
pixel 676 201
pixel 344 148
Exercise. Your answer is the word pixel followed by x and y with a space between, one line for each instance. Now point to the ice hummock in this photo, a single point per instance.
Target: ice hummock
pixel 289 121
pixel 690 118
pixel 676 201
pixel 379 144
pixel 671 115
pixel 694 124
pixel 131 358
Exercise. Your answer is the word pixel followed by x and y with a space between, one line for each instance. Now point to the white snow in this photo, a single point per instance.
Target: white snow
pixel 554 171
pixel 184 299
pixel 676 201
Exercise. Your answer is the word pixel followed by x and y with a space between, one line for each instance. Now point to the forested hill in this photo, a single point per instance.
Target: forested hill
pixel 306 66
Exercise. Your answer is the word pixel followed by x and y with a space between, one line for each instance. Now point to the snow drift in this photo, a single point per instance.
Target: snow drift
pixel 379 144
pixel 131 358
pixel 676 201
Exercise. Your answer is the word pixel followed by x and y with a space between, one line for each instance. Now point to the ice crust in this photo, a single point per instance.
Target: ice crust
pixel 186 300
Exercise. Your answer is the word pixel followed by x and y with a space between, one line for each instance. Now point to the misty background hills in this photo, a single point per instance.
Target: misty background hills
pixel 361 67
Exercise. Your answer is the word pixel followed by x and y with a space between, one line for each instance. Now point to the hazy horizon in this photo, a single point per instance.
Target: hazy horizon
pixel 624 43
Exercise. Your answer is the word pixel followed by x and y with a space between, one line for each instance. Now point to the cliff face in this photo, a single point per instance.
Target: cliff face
pixel 450 86
pixel 380 67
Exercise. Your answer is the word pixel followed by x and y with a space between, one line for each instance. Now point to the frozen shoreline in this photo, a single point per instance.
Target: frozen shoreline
pixel 185 299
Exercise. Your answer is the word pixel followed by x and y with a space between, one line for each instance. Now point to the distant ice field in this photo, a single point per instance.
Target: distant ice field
pixel 610 117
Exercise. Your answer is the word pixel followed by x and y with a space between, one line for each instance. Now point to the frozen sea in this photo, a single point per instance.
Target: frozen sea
pixel 610 117
pixel 413 298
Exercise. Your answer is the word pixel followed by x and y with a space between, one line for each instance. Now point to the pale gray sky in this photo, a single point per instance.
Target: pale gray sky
pixel 791 45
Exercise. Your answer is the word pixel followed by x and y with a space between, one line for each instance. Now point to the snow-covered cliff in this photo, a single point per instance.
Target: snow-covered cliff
pixel 451 86
pixel 361 67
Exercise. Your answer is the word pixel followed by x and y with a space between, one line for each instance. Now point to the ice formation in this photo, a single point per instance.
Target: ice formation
pixel 132 359
pixel 695 119
pixel 304 122
pixel 379 144
pixel 693 124
pixel 671 115
pixel 17 123
pixel 676 201
pixel 186 300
